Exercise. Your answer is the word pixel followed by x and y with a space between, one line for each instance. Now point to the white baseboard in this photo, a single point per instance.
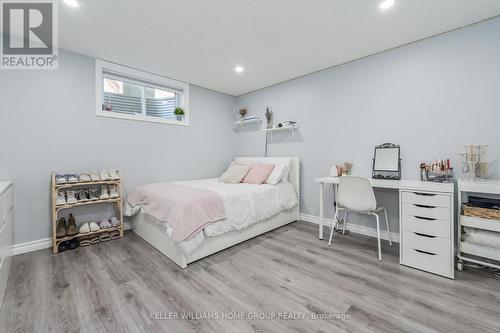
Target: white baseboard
pixel 31 246
pixel 357 229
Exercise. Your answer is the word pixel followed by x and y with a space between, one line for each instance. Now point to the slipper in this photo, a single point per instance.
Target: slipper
pixel 84 241
pixel 94 226
pixel 84 177
pixel 115 222
pixel 115 234
pixel 84 228
pixel 94 240
pixel 105 224
pixel 104 237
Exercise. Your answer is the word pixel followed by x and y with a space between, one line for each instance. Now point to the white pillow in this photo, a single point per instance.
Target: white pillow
pixel 280 173
pixel 235 173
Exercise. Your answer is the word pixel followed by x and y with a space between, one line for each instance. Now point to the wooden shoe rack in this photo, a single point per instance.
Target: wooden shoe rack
pixel 116 202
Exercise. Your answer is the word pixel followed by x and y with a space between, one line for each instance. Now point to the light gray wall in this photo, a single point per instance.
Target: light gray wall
pixel 48 123
pixel 431 97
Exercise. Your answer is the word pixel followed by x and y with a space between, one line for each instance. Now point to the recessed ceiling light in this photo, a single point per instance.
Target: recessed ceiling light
pixel 239 69
pixel 386 4
pixel 71 3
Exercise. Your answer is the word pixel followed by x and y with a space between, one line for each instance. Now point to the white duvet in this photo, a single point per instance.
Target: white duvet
pixel 245 204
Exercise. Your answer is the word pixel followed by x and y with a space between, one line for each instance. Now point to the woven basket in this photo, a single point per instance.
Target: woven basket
pixel 485 213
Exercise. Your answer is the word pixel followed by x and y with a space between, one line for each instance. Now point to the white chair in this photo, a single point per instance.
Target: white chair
pixel 356 194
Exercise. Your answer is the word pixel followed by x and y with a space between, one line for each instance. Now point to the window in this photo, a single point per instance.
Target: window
pixel 127 93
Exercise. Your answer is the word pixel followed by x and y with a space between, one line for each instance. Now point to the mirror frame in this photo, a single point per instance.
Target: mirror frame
pixel 387 174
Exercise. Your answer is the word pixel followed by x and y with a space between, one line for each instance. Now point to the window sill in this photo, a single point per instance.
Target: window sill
pixel 147 119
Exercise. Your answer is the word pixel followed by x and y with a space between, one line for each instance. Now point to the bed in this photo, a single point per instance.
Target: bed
pixel 252 210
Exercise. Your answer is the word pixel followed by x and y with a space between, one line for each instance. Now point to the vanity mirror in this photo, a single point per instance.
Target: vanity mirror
pixel 387 162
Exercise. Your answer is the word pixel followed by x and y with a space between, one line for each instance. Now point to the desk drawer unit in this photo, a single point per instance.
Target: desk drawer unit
pixel 427 231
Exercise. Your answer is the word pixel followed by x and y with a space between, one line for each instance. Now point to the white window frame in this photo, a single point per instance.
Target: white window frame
pixel 146 79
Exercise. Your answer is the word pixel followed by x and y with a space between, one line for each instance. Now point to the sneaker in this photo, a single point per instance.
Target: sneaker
pixel 94 176
pixel 105 224
pixel 84 228
pixel 93 194
pixel 94 226
pixel 104 193
pixel 115 222
pixel 114 174
pixel 70 197
pixel 61 228
pixel 73 244
pixel 72 229
pixel 82 195
pixel 63 246
pixel 61 179
pixel 61 198
pixel 72 178
pixel 113 192
pixel 104 175
pixel 84 177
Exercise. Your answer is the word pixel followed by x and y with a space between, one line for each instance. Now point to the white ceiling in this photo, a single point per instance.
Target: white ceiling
pixel 201 42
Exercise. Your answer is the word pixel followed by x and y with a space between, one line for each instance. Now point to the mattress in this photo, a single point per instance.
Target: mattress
pixel 245 205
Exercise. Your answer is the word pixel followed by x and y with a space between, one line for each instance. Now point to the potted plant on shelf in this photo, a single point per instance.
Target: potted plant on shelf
pixel 179 114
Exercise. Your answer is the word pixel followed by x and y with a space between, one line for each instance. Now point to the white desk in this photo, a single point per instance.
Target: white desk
pixel 427 210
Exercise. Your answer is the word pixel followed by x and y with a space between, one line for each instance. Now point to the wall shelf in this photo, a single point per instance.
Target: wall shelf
pixel 280 129
pixel 243 123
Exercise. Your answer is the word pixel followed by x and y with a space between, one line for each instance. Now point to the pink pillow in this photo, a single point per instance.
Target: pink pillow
pixel 258 173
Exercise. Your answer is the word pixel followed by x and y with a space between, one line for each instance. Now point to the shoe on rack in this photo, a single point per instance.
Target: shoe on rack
pixel 104 237
pixel 104 193
pixel 115 234
pixel 114 174
pixel 94 176
pixel 84 241
pixel 93 194
pixel 84 228
pixel 72 229
pixel 105 224
pixel 70 197
pixel 115 222
pixel 61 198
pixel 82 195
pixel 104 174
pixel 94 226
pixel 72 178
pixel 73 244
pixel 63 246
pixel 113 192
pixel 61 179
pixel 84 177
pixel 61 228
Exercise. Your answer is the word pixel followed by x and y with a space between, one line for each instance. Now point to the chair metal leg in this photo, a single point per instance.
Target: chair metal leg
pixel 378 238
pixel 333 225
pixel 387 225
pixel 345 222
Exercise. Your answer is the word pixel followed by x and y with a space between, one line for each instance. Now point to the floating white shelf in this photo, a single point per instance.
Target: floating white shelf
pixel 241 123
pixel 278 129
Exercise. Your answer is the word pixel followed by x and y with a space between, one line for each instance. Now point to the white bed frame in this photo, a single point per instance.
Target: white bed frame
pixel 155 234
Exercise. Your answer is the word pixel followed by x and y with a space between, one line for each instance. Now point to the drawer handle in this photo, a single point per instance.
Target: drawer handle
pixel 424 206
pixel 425 252
pixel 424 194
pixel 424 218
pixel 424 235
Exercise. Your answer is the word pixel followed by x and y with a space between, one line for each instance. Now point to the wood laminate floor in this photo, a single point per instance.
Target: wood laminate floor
pixel 128 286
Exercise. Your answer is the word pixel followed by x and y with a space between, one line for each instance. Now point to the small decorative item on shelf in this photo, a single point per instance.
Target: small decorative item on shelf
pixel 439 171
pixel 179 113
pixel 243 113
pixel 475 164
pixel 344 169
pixel 269 117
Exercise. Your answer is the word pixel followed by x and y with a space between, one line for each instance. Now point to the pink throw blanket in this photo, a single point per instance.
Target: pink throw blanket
pixel 186 209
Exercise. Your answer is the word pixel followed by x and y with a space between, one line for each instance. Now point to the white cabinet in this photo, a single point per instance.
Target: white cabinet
pixel 6 227
pixel 426 230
